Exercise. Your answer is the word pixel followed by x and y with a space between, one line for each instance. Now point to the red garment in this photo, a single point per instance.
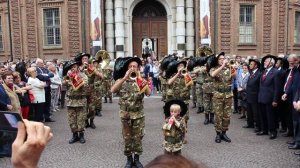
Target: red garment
pixel 25 112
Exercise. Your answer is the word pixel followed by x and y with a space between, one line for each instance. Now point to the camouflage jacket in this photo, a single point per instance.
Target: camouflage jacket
pixel 77 98
pixel 207 86
pixel 174 134
pixel 178 90
pixel 222 83
pixel 107 73
pixel 95 82
pixel 131 101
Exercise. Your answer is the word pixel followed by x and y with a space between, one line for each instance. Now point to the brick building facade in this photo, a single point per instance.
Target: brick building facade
pixel 238 27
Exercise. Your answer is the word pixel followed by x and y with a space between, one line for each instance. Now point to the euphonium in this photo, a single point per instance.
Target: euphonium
pixel 133 75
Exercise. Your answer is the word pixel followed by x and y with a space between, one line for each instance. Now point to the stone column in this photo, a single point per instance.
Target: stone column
pixel 190 31
pixel 109 33
pixel 119 30
pixel 180 27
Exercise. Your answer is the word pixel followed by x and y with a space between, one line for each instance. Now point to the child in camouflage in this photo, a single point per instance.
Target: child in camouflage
pixel 174 127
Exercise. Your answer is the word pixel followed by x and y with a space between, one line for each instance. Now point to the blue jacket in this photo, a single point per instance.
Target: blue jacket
pixel 4 99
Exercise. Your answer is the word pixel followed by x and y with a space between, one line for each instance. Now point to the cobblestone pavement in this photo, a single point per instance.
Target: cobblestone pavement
pixel 104 146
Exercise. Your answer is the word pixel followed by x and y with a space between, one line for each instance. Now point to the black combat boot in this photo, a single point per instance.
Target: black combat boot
pixel 129 162
pixel 110 99
pixel 105 99
pixel 225 137
pixel 87 124
pixel 199 110
pixel 212 118
pixel 206 119
pixel 218 138
pixel 98 112
pixel 194 105
pixel 137 162
pixel 74 138
pixel 81 137
pixel 92 125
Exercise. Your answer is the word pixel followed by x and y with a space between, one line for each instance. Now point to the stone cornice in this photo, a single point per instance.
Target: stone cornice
pixel 50 2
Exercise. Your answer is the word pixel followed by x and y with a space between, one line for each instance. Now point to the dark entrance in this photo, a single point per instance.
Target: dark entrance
pixel 150 22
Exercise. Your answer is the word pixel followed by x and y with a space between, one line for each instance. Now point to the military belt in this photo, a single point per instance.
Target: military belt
pixel 77 97
pixel 172 139
pixel 130 109
pixel 224 90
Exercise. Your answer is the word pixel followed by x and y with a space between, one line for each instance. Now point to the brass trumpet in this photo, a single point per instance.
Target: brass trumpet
pixel 184 71
pixel 232 67
pixel 133 75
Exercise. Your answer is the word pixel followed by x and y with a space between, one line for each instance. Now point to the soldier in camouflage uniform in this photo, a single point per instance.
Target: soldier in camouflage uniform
pixel 107 73
pixel 131 107
pixel 222 96
pixel 178 88
pixel 76 102
pixel 195 95
pixel 174 127
pixel 98 88
pixel 95 92
pixel 207 98
pixel 163 82
pixel 203 51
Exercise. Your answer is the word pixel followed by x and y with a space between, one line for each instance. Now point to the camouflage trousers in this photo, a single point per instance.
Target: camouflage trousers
pixel 97 98
pixel 94 103
pixel 76 118
pixel 194 94
pixel 163 91
pixel 208 103
pixel 106 88
pixel 133 133
pixel 222 108
pixel 199 93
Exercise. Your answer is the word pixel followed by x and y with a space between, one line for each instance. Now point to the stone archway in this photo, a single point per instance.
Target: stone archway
pixel 149 21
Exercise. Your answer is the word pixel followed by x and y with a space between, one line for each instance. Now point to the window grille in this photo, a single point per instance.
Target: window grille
pixel 247 25
pixel 1 36
pixel 297 28
pixel 52 27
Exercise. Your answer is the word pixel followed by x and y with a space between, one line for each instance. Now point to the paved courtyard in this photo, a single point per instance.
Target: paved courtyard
pixel 104 145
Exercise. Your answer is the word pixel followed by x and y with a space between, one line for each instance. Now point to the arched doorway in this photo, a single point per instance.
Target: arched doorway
pixel 149 29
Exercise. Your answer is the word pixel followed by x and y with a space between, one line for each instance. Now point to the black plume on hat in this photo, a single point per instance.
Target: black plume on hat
pixel 191 64
pixel 165 62
pixel 68 65
pixel 181 103
pixel 121 66
pixel 79 56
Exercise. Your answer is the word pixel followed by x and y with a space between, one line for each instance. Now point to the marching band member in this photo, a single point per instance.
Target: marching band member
pixel 132 89
pixel 76 102
pixel 222 75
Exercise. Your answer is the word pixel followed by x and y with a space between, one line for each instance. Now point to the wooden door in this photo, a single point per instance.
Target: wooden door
pixel 152 28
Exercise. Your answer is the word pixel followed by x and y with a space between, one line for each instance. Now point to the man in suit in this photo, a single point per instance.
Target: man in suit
pixel 280 116
pixel 291 86
pixel 268 96
pixel 45 75
pixel 252 89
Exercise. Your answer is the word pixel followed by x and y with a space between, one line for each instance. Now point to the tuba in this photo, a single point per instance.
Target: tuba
pixel 203 51
pixel 103 57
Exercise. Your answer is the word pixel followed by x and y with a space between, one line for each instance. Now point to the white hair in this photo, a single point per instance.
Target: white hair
pixel 38 60
pixel 292 57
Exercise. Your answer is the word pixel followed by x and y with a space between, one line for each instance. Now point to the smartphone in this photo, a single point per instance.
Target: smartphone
pixel 8 131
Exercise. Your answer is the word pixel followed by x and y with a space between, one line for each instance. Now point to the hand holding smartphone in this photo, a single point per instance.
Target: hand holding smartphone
pixel 8 131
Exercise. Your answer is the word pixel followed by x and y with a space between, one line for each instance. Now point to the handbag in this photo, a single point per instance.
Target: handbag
pixel 31 96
